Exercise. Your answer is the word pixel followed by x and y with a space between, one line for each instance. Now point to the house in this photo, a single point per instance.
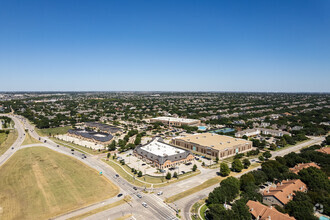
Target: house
pixel 301 166
pixel 262 212
pixel 283 192
pixel 325 150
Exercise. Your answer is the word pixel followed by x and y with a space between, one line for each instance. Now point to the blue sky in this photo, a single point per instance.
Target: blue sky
pixel 160 45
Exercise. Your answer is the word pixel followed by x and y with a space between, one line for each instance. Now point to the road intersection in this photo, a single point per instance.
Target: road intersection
pixel 157 208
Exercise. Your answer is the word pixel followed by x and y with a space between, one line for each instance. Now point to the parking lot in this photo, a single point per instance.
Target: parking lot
pixel 146 168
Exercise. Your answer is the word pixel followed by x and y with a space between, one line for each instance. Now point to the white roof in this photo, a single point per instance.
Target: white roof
pixel 175 119
pixel 161 149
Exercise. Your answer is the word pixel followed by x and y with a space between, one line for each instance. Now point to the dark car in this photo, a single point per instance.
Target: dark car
pixel 117 175
pixel 134 188
pixel 58 146
pixel 72 149
pixel 119 195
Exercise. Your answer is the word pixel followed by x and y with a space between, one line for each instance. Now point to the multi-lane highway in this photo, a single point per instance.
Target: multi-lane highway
pixel 156 209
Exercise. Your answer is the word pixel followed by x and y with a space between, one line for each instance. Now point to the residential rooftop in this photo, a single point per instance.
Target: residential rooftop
pixel 284 190
pixel 219 142
pixel 301 166
pixel 262 212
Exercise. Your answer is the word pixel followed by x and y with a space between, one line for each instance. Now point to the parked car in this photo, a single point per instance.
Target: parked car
pixel 134 188
pixel 116 175
pixel 159 193
pixel 119 195
pixel 139 196
pixel 144 204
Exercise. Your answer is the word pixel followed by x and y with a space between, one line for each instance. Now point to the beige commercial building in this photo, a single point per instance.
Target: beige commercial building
pixel 176 121
pixel 213 145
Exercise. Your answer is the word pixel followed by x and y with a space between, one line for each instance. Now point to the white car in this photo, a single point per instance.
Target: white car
pixel 159 193
pixel 144 204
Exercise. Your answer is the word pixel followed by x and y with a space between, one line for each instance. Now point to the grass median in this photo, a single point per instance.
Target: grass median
pixel 29 140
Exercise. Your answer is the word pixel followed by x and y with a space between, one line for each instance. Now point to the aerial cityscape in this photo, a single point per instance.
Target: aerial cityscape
pixel 165 110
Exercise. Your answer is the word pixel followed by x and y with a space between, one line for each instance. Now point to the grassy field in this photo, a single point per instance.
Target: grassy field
pixel 38 183
pixel 29 140
pixel 103 208
pixel 53 131
pixel 204 185
pixel 8 141
pixel 77 147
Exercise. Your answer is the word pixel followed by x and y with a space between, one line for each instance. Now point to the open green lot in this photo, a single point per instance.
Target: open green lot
pixel 7 140
pixel 53 131
pixel 38 183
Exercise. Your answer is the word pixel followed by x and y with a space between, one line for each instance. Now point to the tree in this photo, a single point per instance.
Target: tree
pixel 175 175
pixel 217 159
pixel 112 146
pixel 267 155
pixel 224 169
pixel 246 163
pixel 194 168
pixel 245 137
pixel 246 179
pixel 327 140
pixel 228 191
pixel 140 173
pixel 241 210
pixel 218 211
pixel 300 206
pixel 168 176
pixel 108 155
pixel 261 158
pixel 114 156
pixel 237 165
pixel 315 179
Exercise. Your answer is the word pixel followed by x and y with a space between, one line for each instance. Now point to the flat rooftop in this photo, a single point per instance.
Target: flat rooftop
pixel 187 120
pixel 161 149
pixel 219 142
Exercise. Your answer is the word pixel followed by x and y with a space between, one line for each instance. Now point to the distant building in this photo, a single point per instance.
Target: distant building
pixel 297 128
pixel 102 127
pixel 213 145
pixel 171 121
pixel 325 150
pixel 96 137
pixel 262 212
pixel 257 131
pixel 162 155
pixel 283 192
pixel 301 166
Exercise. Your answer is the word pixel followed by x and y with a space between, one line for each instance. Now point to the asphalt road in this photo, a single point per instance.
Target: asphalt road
pixel 157 209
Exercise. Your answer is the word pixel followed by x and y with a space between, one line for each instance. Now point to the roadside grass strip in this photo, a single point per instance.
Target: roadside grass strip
pixel 103 208
pixel 8 141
